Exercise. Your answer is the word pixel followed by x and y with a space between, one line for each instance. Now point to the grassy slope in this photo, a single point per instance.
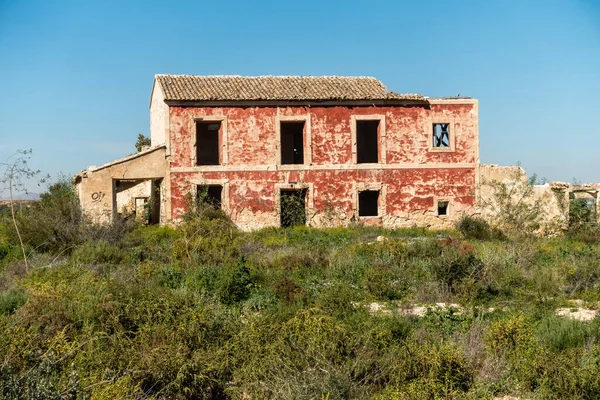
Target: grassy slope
pixel 205 311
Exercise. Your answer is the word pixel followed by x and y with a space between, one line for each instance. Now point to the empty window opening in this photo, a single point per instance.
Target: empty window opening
pixel 292 142
pixel 207 143
pixel 368 203
pixel 293 207
pixel 443 207
pixel 367 146
pixel 441 135
pixel 209 194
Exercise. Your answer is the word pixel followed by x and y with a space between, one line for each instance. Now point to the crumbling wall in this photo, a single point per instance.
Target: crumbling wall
pixel 411 176
pixel 96 186
pixel 126 197
pixel 552 198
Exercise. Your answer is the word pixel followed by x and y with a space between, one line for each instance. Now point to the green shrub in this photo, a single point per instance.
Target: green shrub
pixel 433 372
pixel 337 298
pixel 581 214
pixel 509 335
pixel 171 278
pixel 445 321
pixel 233 284
pixel 383 284
pixel 288 290
pixel 260 299
pixel 560 333
pixel 513 207
pixel 473 227
pixel 53 224
pixel 151 242
pixel 11 299
pixel 99 252
pixel 457 260
pixel 207 236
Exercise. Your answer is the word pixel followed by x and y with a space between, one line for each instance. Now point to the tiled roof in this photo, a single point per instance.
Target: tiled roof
pixel 286 88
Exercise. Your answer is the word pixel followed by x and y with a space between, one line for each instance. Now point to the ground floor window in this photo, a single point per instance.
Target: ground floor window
pixel 368 203
pixel 210 194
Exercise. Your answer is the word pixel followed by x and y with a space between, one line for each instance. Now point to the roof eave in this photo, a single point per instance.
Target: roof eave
pixel 266 103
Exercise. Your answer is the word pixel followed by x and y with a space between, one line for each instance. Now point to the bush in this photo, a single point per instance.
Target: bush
pixel 474 227
pixel 383 284
pixel 207 235
pixel 54 223
pixel 10 300
pixel 288 290
pixel 509 335
pixel 99 252
pixel 456 262
pixel 561 334
pixel 233 284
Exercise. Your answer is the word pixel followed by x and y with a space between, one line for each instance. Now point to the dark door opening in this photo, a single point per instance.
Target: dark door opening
pixel 155 202
pixel 292 142
pixel 293 207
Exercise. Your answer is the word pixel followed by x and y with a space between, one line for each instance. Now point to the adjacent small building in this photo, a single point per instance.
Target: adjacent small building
pixel 278 150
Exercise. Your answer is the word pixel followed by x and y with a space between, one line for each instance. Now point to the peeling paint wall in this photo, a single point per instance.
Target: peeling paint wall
pixel 411 176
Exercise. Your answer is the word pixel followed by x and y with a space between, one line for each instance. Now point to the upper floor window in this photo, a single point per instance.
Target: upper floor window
pixel 367 141
pixel 292 142
pixel 441 136
pixel 207 142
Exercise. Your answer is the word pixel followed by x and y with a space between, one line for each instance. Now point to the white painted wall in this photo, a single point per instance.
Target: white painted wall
pixel 158 116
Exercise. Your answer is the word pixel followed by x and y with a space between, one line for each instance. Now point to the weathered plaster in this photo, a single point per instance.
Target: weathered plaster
pixel 409 175
pixel 553 197
pixel 96 186
pixel 126 199
pixel 159 118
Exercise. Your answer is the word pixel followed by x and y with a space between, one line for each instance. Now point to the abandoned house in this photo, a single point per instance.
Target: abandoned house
pixel 270 151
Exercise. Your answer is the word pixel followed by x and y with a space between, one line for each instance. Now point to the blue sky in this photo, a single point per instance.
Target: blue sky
pixel 76 76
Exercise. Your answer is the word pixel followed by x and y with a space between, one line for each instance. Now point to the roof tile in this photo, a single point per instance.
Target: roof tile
pixel 287 88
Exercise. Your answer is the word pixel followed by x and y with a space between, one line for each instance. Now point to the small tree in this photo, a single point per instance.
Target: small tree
pixel 513 206
pixel 142 141
pixel 15 172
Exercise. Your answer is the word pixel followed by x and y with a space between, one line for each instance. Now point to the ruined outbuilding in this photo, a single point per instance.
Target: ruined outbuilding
pixel 554 199
pixel 347 149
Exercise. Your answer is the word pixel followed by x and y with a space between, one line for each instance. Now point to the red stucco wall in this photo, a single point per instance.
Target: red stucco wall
pixel 411 176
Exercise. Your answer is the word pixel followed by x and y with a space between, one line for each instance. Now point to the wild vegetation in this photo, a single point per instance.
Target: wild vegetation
pixel 203 310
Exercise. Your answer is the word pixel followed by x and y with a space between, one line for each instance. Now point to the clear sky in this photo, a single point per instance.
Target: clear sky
pixel 76 76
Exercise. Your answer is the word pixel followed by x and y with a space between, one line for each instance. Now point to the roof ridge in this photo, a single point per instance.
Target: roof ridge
pixel 269 76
